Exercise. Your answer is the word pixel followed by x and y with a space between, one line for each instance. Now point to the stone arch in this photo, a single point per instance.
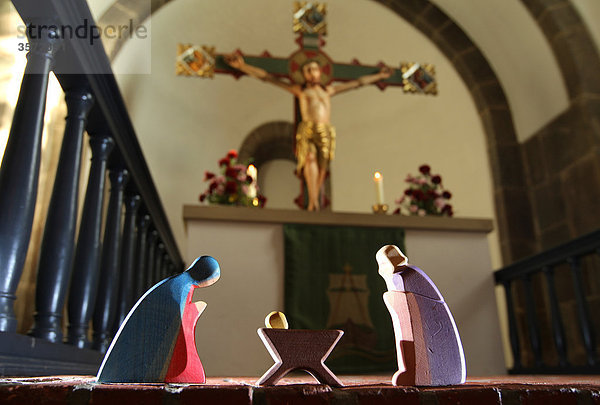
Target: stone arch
pixel 512 205
pixel 273 140
pixel 562 158
pixel 519 224
pixel 119 14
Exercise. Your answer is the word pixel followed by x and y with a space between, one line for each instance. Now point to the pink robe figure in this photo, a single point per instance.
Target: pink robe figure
pixel 185 366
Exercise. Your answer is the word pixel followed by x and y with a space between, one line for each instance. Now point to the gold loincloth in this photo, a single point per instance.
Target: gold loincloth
pixel 317 138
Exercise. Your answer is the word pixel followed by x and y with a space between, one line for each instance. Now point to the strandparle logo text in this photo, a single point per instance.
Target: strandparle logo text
pixel 86 30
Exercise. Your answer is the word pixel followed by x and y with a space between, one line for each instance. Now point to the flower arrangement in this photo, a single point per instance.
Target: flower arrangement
pixel 425 195
pixel 234 186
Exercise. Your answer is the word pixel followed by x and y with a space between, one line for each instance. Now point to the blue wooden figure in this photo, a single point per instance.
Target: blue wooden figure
pixel 155 342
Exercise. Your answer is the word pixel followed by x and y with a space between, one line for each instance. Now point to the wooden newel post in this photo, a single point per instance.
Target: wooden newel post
pixel 124 301
pixel 58 243
pixel 106 299
pixel 82 294
pixel 20 171
pixel 142 259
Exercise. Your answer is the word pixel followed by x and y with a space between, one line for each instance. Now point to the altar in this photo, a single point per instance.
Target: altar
pixel 249 245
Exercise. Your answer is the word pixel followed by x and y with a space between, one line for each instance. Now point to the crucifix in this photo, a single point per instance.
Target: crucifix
pixel 308 74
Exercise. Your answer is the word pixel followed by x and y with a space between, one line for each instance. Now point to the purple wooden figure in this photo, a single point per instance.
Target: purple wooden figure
pixel 427 341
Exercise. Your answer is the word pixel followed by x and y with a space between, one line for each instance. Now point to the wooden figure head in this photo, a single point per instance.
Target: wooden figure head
pixel 391 262
pixel 205 271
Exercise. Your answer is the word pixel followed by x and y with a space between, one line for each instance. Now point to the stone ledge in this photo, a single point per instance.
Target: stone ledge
pixel 77 390
pixel 282 216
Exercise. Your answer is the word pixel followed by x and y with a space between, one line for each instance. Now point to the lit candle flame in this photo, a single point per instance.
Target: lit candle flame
pixel 252 172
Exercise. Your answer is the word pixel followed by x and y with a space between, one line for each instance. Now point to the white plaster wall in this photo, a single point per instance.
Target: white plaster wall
pixel 520 55
pixel 186 124
pixel 251 285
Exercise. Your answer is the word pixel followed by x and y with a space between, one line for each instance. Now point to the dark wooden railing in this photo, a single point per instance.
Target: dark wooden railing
pixel 553 303
pixel 97 277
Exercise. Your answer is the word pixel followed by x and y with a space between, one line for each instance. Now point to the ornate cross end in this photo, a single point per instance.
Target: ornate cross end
pixel 417 78
pixel 193 60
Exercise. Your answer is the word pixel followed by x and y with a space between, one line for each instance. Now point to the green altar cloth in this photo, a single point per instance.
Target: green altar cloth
pixel 331 282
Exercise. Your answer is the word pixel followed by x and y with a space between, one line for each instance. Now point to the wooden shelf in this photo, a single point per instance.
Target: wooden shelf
pixel 281 216
pixel 302 389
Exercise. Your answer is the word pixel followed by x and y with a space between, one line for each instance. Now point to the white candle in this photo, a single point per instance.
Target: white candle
pixel 252 172
pixel 378 178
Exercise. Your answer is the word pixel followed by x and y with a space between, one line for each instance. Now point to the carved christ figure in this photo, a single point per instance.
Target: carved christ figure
pixel 315 136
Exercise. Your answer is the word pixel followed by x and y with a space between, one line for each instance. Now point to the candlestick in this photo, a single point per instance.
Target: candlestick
pixel 252 172
pixel 378 178
pixel 380 208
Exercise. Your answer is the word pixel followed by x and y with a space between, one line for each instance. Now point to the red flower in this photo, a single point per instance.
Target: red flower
pixel 230 187
pixel 202 197
pixel 447 210
pixel 431 195
pixel 232 154
pixel 447 195
pixel 396 211
pixel 437 179
pixel 212 186
pixel 408 191
pixel 224 162
pixel 262 200
pixel 231 172
pixel 425 169
pixel 208 175
pixel 418 194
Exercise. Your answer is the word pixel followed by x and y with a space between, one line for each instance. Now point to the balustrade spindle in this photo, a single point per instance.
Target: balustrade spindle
pixel 20 171
pixel 142 262
pixel 557 324
pixel 106 298
pixel 159 259
pixel 532 322
pixel 152 248
pixel 124 301
pixel 164 267
pixel 58 242
pixel 582 311
pixel 512 326
pixel 82 293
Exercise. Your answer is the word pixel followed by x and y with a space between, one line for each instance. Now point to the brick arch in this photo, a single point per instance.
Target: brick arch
pixel 512 205
pixel 519 233
pixel 562 158
pixel 119 14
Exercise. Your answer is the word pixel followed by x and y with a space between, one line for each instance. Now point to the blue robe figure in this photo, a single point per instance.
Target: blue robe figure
pixel 155 342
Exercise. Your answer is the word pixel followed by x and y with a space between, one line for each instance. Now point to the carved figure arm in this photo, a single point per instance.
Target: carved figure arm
pixel 236 61
pixel 383 74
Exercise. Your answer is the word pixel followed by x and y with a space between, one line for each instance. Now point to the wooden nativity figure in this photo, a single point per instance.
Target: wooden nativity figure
pixel 428 345
pixel 155 342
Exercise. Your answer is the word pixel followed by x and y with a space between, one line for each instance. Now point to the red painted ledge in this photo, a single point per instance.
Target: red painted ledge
pixel 74 390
